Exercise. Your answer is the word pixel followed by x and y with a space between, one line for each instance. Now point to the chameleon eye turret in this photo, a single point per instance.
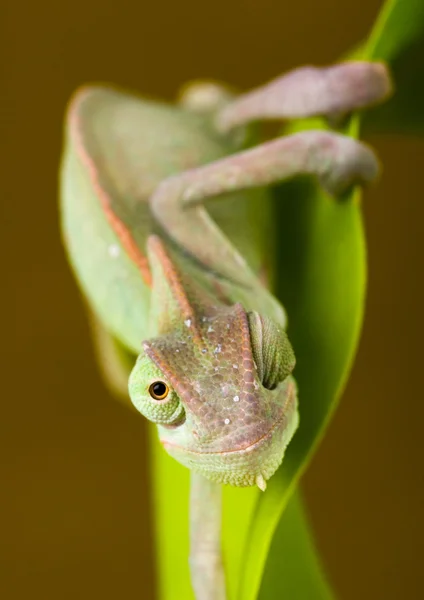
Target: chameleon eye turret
pixel 153 397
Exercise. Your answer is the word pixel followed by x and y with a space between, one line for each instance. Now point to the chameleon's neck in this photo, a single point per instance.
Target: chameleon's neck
pixel 197 280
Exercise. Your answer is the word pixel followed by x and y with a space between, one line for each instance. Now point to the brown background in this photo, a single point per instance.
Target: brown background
pixel 73 479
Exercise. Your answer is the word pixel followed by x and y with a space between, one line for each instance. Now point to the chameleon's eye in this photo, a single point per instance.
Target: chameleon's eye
pixel 159 390
pixel 153 396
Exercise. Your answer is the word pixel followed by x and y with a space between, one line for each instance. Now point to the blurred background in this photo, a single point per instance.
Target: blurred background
pixel 73 495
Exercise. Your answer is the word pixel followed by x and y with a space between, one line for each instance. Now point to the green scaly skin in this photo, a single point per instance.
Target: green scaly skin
pixel 186 292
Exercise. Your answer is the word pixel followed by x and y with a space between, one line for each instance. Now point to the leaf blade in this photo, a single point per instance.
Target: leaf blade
pixel 322 239
pixel 303 583
pixel 396 36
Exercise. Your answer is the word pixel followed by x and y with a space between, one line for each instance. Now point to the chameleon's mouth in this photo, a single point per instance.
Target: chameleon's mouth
pixel 249 448
pixel 244 466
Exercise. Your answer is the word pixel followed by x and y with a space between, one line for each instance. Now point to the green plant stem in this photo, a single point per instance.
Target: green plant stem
pixel 206 566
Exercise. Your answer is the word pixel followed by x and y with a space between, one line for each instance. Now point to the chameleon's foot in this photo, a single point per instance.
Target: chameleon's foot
pixel 309 91
pixel 205 96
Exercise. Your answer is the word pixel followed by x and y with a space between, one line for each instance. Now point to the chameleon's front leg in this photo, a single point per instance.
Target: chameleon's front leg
pixel 331 92
pixel 336 160
pixel 206 566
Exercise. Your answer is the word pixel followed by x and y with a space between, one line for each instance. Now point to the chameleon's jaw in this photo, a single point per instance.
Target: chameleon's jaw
pixel 252 465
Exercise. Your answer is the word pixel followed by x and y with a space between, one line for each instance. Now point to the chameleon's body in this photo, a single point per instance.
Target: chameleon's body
pixel 190 294
pixel 154 142
pixel 121 296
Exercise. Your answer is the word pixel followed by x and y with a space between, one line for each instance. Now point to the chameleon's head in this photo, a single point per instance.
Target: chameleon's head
pixel 217 383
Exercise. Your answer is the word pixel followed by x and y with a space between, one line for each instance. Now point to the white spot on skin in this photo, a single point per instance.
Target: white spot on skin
pixel 227 421
pixel 256 385
pixel 236 398
pixel 204 350
pixel 210 329
pixel 216 368
pixel 218 349
pixel 187 322
pixel 114 250
pixel 177 350
pixel 228 326
pixel 235 366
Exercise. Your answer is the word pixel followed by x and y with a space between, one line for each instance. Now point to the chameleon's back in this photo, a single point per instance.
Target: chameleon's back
pixel 118 148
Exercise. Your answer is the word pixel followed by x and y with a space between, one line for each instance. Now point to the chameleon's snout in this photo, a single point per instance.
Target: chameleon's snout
pixel 251 465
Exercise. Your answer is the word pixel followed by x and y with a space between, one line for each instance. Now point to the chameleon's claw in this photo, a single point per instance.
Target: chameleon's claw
pixel 309 91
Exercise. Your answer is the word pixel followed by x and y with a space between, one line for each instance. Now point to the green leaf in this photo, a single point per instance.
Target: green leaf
pixel 294 557
pixel 398 37
pixel 321 281
pixel 322 285
pixel 322 277
pixel 171 522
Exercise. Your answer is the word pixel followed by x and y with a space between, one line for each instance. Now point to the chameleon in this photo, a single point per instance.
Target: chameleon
pixel 166 216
